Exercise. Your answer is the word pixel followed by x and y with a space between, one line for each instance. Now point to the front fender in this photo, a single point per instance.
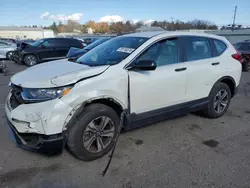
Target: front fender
pixel 108 85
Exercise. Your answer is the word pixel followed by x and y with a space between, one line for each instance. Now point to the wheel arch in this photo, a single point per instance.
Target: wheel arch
pixel 109 101
pixel 229 81
pixel 114 103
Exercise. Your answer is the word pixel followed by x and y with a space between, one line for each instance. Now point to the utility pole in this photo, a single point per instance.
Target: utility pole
pixel 235 11
pixel 172 24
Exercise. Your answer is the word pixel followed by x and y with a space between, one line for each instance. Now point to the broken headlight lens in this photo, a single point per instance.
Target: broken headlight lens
pixel 39 95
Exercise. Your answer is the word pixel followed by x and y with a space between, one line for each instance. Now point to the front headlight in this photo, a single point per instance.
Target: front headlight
pixel 39 95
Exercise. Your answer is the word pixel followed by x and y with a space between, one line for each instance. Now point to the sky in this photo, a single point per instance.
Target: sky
pixel 44 12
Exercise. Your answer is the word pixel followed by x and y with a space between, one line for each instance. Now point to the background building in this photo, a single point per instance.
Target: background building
pixel 25 32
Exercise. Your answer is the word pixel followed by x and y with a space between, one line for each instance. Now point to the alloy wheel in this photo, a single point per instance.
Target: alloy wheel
pixel 98 134
pixel 221 101
pixel 31 60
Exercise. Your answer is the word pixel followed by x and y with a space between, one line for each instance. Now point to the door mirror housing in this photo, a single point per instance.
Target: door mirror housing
pixel 144 65
pixel 43 46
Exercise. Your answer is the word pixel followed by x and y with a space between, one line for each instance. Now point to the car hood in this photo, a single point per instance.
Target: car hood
pixel 55 74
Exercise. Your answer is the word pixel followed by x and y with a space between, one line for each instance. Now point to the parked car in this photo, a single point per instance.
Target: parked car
pixel 9 40
pixel 148 76
pixel 244 49
pixel 6 49
pixel 75 53
pixel 44 50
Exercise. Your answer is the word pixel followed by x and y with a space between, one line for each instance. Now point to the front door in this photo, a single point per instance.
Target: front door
pixel 47 49
pixel 166 85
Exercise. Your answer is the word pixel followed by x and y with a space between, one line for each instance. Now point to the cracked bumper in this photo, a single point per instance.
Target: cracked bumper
pixel 49 145
pixel 45 118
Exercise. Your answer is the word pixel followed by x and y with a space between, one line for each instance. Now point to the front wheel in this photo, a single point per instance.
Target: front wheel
pixel 30 60
pixel 219 100
pixel 93 133
pixel 9 55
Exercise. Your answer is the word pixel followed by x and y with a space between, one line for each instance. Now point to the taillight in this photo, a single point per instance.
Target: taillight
pixel 238 57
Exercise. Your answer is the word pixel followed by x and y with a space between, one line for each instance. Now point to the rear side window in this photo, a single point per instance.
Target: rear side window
pixel 243 46
pixel 4 44
pixel 220 47
pixel 64 43
pixel 197 48
pixel 74 43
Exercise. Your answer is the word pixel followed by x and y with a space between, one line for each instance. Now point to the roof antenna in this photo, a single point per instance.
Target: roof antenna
pixel 113 150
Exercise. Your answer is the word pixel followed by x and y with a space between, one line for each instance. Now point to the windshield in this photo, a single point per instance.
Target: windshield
pixel 112 51
pixel 96 43
pixel 37 43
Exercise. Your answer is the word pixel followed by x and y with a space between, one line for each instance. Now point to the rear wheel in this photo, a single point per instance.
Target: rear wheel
pixel 30 60
pixel 246 66
pixel 219 101
pixel 93 133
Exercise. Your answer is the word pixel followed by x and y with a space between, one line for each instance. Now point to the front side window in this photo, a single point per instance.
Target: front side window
pixel 197 48
pixel 165 52
pixel 2 44
pixel 220 47
pixel 51 43
pixel 112 51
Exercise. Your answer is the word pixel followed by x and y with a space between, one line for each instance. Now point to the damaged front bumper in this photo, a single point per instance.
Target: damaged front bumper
pixel 38 127
pixel 49 145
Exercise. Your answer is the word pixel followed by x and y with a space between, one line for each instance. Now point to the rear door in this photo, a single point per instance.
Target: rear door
pixel 62 47
pixel 203 69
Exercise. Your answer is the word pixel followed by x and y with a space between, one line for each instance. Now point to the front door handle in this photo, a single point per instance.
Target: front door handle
pixel 217 63
pixel 180 69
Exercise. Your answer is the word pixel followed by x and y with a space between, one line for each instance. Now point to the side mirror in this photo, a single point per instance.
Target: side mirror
pixel 42 46
pixel 144 65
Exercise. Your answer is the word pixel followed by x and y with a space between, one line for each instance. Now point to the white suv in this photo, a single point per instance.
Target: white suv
pixel 150 76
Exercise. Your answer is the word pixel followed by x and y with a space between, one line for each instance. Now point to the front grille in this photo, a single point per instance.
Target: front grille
pixel 16 98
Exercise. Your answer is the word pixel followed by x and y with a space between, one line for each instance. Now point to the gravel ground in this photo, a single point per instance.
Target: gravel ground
pixel 172 153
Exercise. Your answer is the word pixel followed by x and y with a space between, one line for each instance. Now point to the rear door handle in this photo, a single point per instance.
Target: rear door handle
pixel 180 69
pixel 217 63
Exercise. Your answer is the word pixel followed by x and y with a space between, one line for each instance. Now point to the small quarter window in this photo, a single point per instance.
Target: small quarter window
pixel 220 47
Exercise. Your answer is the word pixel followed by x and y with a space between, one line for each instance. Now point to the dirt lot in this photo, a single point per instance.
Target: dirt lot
pixel 167 154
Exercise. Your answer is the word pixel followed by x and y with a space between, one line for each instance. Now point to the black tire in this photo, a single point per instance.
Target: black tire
pixel 210 111
pixel 9 55
pixel 30 60
pixel 246 67
pixel 76 132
